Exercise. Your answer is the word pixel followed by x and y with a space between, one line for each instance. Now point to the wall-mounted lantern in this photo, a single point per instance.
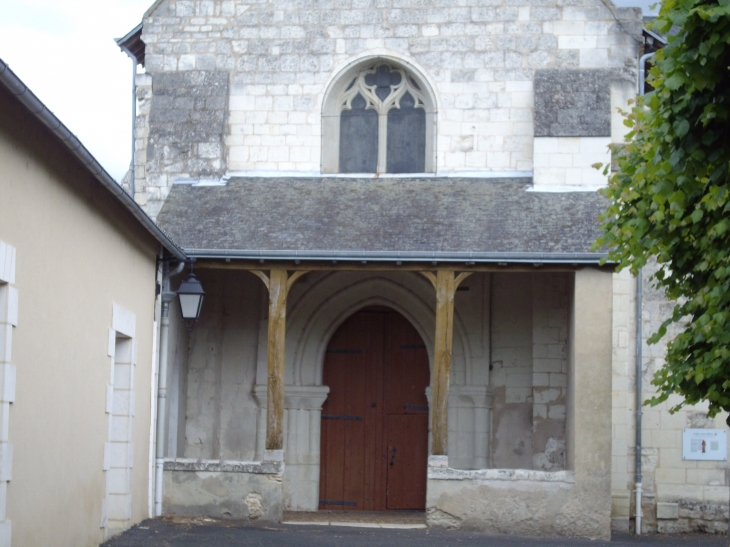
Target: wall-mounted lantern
pixel 191 296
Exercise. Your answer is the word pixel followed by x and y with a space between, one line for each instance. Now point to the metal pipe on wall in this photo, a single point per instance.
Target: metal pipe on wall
pixel 639 388
pixel 167 296
pixel 132 188
pixel 638 477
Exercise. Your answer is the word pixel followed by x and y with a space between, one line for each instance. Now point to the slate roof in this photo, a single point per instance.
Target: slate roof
pixel 485 219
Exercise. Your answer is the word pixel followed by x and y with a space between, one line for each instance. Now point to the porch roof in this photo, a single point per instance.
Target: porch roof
pixel 436 218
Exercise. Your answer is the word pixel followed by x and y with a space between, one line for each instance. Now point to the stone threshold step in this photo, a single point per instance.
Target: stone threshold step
pixel 409 526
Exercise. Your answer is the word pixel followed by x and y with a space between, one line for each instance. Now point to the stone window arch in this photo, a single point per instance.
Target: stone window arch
pixel 378 117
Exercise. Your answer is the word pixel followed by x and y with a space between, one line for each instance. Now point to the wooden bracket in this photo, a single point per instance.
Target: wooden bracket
pixel 261 275
pixel 430 276
pixel 461 277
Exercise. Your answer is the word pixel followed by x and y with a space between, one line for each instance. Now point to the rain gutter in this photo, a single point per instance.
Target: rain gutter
pixel 398 256
pixel 15 85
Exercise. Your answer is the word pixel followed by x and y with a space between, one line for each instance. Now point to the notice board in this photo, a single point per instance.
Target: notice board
pixel 704 444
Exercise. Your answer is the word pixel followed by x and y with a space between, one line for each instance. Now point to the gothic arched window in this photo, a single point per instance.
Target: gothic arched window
pixel 379 121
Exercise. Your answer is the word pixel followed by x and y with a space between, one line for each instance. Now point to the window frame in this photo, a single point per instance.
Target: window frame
pixel 338 93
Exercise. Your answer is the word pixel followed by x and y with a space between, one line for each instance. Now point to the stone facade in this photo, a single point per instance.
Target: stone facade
pixel 242 87
pixel 479 59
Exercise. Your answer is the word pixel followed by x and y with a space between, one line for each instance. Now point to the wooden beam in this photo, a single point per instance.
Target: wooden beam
pixel 275 360
pixel 446 284
pixel 278 282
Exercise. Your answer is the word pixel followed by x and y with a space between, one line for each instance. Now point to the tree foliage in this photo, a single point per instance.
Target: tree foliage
pixel 670 200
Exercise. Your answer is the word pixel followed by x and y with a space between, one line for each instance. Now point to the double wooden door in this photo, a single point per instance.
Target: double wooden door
pixel 374 442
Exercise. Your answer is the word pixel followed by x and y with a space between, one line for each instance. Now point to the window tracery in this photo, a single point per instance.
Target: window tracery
pixel 382 87
pixel 382 122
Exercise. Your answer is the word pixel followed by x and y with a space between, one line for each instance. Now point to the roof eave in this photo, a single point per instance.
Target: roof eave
pixel 132 44
pixel 39 110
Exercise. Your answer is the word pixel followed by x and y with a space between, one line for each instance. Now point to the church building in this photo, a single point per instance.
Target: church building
pixel 391 205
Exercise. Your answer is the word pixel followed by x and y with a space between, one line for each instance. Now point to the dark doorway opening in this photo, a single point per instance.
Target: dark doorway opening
pixel 374 441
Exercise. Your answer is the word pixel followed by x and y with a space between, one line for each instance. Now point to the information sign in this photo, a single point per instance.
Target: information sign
pixel 704 444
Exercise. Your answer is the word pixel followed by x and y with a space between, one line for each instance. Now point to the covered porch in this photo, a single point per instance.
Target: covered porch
pixel 505 427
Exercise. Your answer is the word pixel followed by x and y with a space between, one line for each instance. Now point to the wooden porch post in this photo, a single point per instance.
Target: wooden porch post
pixel 278 282
pixel 445 284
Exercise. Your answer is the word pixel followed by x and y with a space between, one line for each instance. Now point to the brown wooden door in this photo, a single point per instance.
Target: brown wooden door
pixel 374 443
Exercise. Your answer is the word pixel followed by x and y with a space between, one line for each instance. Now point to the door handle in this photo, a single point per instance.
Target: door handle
pixel 393 450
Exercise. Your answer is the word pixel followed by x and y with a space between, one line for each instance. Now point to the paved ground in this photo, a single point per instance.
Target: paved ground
pixel 209 533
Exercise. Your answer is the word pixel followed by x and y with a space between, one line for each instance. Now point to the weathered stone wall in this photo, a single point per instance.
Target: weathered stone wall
pixel 679 495
pixel 573 103
pixel 141 138
pixel 224 417
pixel 501 501
pixel 187 128
pixel 221 408
pixel 575 333
pixel 479 57
pixel 250 490
pixel 512 371
pixel 530 370
pixel 551 302
pixel 573 124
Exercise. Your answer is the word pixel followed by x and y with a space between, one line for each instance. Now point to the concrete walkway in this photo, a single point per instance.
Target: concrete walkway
pixel 211 533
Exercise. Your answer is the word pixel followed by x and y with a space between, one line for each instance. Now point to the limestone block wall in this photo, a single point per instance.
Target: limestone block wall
pixel 143 84
pixel 574 502
pixel 177 378
pixel 512 371
pixel 568 161
pixel 278 59
pixel 530 371
pixel 551 303
pixel 239 490
pixel 221 411
pixel 622 396
pixel 504 501
pixel 573 125
pixel 679 495
pixel 187 125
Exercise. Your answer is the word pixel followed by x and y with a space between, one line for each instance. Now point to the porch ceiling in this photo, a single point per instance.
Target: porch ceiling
pixel 327 218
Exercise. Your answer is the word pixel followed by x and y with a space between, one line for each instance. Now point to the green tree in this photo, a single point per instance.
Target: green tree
pixel 670 200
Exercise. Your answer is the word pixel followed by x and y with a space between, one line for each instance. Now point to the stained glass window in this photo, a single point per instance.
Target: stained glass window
pixel 382 123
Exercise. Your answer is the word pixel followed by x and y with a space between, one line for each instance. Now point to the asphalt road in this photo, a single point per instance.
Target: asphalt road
pixel 199 533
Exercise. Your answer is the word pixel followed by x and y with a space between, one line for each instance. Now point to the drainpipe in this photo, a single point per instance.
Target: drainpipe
pixel 642 72
pixel 639 341
pixel 134 116
pixel 167 296
pixel 639 389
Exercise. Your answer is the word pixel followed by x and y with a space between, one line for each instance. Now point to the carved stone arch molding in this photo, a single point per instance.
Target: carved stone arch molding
pixel 319 312
pixel 350 79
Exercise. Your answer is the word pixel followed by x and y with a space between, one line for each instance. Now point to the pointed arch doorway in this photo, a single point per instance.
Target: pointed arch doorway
pixel 374 434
